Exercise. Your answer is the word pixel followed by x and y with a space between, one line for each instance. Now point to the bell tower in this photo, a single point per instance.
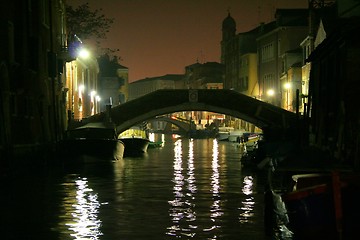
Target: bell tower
pixel 228 33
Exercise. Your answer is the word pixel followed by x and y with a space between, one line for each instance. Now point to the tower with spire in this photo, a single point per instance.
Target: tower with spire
pixel 228 33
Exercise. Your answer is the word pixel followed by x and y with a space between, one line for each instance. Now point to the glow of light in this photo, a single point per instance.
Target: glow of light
pixel 92 93
pixel 287 85
pixel 152 137
pixel 83 53
pixel 81 88
pixel 98 98
pixel 175 136
pixel 270 92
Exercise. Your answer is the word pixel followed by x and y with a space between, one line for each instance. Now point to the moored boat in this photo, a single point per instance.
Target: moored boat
pixel 223 133
pixel 251 140
pixel 320 203
pixel 155 144
pixel 136 141
pixel 235 135
pixel 93 142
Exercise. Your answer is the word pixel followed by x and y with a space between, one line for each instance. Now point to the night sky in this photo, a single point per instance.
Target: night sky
pixel 158 37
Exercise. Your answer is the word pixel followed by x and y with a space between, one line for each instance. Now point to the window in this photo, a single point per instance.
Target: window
pixel 267 52
pixel 269 81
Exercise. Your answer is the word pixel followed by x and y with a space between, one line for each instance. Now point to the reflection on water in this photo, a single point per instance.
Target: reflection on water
pixel 248 203
pixel 187 197
pixel 82 208
pixel 215 210
pixel 187 189
pixel 181 208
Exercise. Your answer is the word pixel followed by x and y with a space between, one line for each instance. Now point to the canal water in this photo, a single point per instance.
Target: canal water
pixel 186 189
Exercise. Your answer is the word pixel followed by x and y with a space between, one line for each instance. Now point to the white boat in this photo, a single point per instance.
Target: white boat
pixel 235 135
pixel 223 133
pixel 251 140
pixel 93 142
pixel 136 141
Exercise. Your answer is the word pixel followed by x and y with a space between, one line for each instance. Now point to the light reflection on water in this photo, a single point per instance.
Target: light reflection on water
pixel 83 221
pixel 248 203
pixel 182 208
pixel 215 211
pixel 203 192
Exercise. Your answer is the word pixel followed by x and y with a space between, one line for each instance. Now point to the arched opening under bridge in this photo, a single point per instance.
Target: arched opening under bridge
pixel 184 126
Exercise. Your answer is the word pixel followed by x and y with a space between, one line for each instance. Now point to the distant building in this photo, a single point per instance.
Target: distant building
pixel 209 75
pixel 291 79
pixel 276 39
pixel 256 62
pixel 144 86
pixel 239 56
pixel 113 82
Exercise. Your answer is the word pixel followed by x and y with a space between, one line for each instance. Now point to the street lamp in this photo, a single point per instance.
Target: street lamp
pixel 83 53
pixel 270 92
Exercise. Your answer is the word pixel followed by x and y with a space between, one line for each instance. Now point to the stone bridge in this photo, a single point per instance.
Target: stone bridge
pixel 274 121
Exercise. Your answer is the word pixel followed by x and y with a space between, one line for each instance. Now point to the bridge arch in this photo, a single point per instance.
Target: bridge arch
pixel 263 115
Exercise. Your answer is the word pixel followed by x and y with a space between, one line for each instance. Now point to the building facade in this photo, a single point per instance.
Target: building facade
pixel 142 87
pixel 113 82
pixel 240 59
pixel 334 120
pixel 275 39
pixel 82 88
pixel 32 108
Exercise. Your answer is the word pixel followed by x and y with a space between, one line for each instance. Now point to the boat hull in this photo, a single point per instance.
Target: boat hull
pixel 323 205
pixel 222 136
pixel 92 150
pixel 235 135
pixel 135 146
